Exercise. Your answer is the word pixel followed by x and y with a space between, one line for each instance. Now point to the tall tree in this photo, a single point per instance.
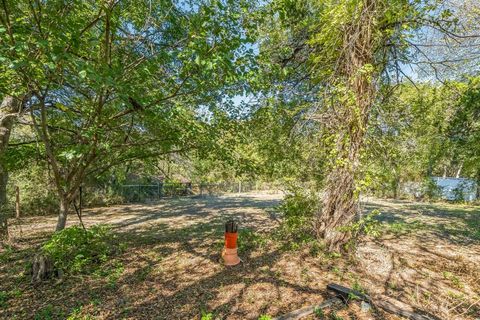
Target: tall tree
pixel 348 49
pixel 114 81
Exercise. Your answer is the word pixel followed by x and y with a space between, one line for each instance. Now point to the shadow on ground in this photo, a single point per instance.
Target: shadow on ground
pixel 171 268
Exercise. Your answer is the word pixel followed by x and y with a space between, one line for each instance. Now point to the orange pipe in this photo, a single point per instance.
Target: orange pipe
pixel 231 240
pixel 229 252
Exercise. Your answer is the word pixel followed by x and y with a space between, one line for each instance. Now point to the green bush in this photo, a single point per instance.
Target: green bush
pixel 298 209
pixel 367 225
pixel 77 250
pixel 37 196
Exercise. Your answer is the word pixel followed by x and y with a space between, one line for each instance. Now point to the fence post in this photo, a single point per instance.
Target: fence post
pixel 17 202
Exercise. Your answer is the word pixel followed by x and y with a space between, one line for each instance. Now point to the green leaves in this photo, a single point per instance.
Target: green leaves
pixel 76 250
pixel 122 82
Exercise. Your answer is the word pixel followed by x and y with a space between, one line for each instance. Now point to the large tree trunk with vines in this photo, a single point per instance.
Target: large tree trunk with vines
pixel 347 126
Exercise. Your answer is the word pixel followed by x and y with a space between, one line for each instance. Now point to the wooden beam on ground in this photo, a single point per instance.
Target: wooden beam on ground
pixel 400 308
pixel 305 311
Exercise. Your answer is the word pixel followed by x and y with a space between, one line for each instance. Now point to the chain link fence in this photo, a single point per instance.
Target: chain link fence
pixel 43 200
pixel 150 192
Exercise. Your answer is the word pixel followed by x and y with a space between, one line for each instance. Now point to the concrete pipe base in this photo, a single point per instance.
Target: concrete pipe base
pixel 230 257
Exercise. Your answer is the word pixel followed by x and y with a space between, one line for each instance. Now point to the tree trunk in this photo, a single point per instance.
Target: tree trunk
pixel 395 190
pixel 8 112
pixel 340 204
pixel 17 202
pixel 355 78
pixel 478 185
pixel 396 187
pixel 3 184
pixel 63 213
pixel 459 171
pixel 4 227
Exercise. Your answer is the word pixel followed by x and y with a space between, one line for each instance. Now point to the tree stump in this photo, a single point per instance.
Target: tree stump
pixel 42 268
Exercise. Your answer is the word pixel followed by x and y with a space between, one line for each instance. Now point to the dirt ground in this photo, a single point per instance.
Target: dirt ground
pixel 428 257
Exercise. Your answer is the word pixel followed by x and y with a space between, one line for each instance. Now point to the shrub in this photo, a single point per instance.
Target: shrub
pixel 367 225
pixel 37 196
pixel 94 196
pixel 77 250
pixel 298 209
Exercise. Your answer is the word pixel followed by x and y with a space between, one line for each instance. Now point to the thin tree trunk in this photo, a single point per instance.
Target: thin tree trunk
pixel 396 186
pixel 4 227
pixel 8 112
pixel 43 132
pixel 63 213
pixel 478 185
pixel 67 180
pixel 3 185
pixel 17 202
pixel 459 171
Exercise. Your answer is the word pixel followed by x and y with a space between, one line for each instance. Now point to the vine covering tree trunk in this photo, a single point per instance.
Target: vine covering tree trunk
pixel 355 90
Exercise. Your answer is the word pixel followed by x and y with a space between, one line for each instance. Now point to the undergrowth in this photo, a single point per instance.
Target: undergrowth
pixel 298 209
pixel 296 231
pixel 76 250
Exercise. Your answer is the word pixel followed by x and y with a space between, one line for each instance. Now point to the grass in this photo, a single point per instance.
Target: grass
pixel 319 313
pixel 455 280
pixel 207 316
pixel 47 313
pixel 404 227
pixel 3 299
pixel 248 240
